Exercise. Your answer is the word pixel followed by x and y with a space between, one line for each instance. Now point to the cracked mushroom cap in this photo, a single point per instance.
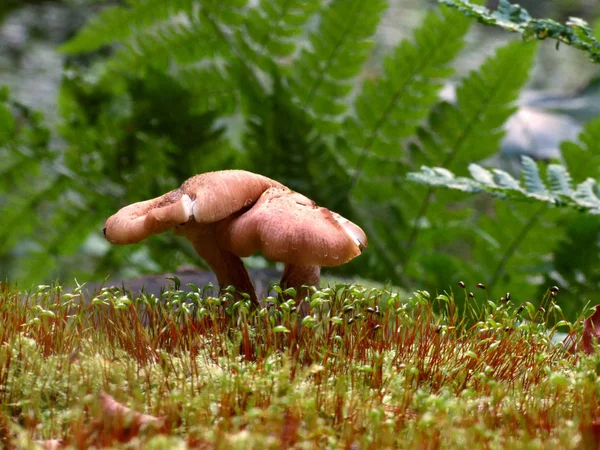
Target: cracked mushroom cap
pixel 208 198
pixel 288 227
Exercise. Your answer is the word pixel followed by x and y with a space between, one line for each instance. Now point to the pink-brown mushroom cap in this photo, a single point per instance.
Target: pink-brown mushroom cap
pixel 218 195
pixel 208 198
pixel 137 221
pixel 288 227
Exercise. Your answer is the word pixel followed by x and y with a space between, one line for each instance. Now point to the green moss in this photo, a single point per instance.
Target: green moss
pixel 371 368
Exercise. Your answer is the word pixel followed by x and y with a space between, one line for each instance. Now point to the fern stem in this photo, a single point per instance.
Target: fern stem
pixel 381 248
pixel 414 233
pixel 371 140
pixel 514 245
pixel 455 149
pixel 424 62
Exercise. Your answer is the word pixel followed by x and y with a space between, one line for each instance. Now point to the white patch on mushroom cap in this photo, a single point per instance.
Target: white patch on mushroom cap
pixel 195 211
pixel 188 205
pixel 350 230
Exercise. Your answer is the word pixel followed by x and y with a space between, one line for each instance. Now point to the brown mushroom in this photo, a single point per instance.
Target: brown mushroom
pixel 288 227
pixel 230 214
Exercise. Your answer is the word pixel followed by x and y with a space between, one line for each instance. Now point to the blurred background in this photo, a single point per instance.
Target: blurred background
pixel 31 30
pixel 85 119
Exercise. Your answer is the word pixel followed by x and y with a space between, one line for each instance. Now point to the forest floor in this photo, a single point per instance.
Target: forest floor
pixel 369 368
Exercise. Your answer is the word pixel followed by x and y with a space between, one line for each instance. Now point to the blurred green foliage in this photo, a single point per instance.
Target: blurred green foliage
pixel 156 91
pixel 512 17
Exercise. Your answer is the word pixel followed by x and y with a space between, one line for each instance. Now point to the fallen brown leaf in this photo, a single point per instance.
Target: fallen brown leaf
pixel 116 410
pixel 591 331
pixel 590 436
pixel 289 435
pixel 50 444
pixel 118 422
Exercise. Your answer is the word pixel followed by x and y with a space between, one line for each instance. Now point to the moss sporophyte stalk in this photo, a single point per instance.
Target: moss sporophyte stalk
pixel 365 367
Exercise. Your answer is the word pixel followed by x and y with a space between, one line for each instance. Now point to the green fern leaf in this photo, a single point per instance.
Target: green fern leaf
pixel 210 88
pixel 583 158
pixel 583 197
pixel 24 142
pixel 170 43
pixel 471 130
pixel 559 180
pixel 273 26
pixel 481 174
pixel 579 275
pixel 531 176
pixel 22 210
pixel 7 124
pixel 510 247
pixel 231 13
pixel 389 108
pixel 440 177
pixel 467 131
pixel 576 32
pixel 119 23
pixel 586 197
pixel 506 180
pixel 338 48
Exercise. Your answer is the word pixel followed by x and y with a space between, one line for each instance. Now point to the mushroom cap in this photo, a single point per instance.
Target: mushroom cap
pixel 218 195
pixel 208 197
pixel 137 221
pixel 288 227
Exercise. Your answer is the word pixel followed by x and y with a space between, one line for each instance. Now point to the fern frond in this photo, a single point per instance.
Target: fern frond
pixel 559 180
pixel 78 213
pixel 580 276
pixel 273 26
pixel 576 32
pixel 231 13
pixel 583 157
pixel 389 108
pixel 338 48
pixel 512 246
pixel 557 191
pixel 165 36
pixel 21 212
pixel 7 119
pixel 441 177
pixel 119 23
pixel 180 42
pixel 531 177
pixel 24 143
pixel 210 88
pixel 471 129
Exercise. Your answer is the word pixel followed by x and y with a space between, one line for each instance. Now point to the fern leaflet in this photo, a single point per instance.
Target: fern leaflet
pixel 273 28
pixel 471 129
pixel 389 108
pixel 557 191
pixel 119 23
pixel 338 48
pixel 576 32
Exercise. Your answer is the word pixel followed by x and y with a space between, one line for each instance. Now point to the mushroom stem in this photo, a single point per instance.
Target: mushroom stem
pixel 296 276
pixel 228 268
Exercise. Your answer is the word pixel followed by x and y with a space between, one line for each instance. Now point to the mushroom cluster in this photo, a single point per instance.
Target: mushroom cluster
pixel 231 214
